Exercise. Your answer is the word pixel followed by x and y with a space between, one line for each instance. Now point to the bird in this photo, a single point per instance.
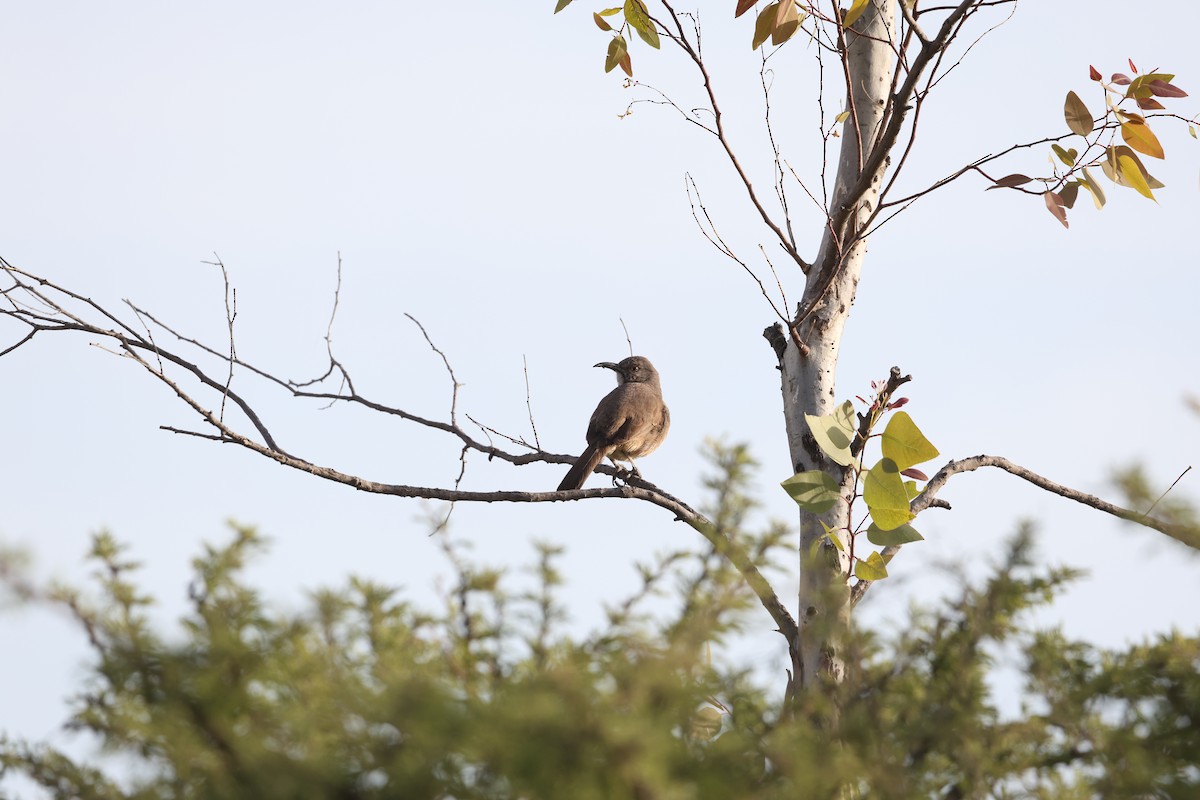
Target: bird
pixel 630 422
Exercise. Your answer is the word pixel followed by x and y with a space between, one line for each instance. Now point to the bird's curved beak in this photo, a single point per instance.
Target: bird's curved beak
pixel 608 365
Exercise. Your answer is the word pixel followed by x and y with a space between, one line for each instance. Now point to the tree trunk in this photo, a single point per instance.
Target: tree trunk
pixel 809 361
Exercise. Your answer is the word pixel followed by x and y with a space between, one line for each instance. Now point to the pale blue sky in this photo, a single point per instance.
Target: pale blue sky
pixel 470 166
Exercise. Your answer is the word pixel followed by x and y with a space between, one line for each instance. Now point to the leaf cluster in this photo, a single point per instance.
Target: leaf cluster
pixel 842 437
pixel 1120 163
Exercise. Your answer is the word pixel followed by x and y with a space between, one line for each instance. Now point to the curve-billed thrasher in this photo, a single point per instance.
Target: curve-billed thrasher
pixel 630 422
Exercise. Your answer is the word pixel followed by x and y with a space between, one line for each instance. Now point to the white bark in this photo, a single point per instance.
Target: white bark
pixel 809 374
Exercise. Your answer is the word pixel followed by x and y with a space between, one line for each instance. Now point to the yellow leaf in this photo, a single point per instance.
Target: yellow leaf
pixel 856 10
pixel 1139 136
pixel 787 22
pixel 1112 168
pixel 764 25
pixel 1127 168
pixel 1089 183
pixel 1079 119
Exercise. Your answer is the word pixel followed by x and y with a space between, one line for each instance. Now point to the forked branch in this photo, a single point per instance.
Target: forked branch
pixel 42 306
pixel 1184 534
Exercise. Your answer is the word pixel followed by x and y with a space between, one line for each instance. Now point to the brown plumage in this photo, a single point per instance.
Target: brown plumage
pixel 630 422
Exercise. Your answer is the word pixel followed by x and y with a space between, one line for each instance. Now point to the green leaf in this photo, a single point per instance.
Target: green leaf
pixel 886 499
pixel 874 568
pixel 617 49
pixel 897 536
pixel 904 443
pixel 1079 119
pixel 764 25
pixel 856 10
pixel 636 16
pixel 814 491
pixel 1064 156
pixel 561 5
pixel 1140 86
pixel 835 432
pixel 833 537
pixel 608 12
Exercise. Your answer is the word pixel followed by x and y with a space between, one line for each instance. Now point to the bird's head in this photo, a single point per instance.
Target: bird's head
pixel 635 369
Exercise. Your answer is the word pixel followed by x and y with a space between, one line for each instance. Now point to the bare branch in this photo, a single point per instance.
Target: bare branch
pixel 625 328
pixel 230 316
pixel 136 346
pixel 1182 534
pixel 33 331
pixel 680 38
pixel 708 230
pixel 529 402
pixel 913 25
pixel 1174 483
pixel 449 369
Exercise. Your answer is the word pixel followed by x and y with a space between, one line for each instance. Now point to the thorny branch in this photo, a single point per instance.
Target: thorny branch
pixel 41 305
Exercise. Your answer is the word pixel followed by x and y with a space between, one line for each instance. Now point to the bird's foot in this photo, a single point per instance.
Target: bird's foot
pixel 625 474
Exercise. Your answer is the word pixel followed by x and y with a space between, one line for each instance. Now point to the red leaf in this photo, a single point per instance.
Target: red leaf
pixel 743 6
pixel 1094 73
pixel 1009 181
pixel 1056 206
pixel 1132 67
pixel 900 401
pixel 1163 89
pixel 1121 79
pixel 626 64
pixel 914 473
pixel 1149 104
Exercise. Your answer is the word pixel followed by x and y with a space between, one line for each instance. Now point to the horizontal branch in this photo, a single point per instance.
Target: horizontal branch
pixel 30 289
pixel 1180 533
pixel 1183 534
pixel 636 489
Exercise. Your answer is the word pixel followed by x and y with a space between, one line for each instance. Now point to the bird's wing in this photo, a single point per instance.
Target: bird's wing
pixel 612 420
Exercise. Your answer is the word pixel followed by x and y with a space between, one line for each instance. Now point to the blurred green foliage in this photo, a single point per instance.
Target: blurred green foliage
pixel 363 695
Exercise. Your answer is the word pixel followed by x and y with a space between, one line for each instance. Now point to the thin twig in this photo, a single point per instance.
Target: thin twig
pixel 1164 494
pixel 529 401
pixel 628 340
pixel 449 369
pixel 230 316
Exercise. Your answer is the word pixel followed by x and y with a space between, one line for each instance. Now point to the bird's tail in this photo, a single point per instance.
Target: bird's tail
pixel 583 467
